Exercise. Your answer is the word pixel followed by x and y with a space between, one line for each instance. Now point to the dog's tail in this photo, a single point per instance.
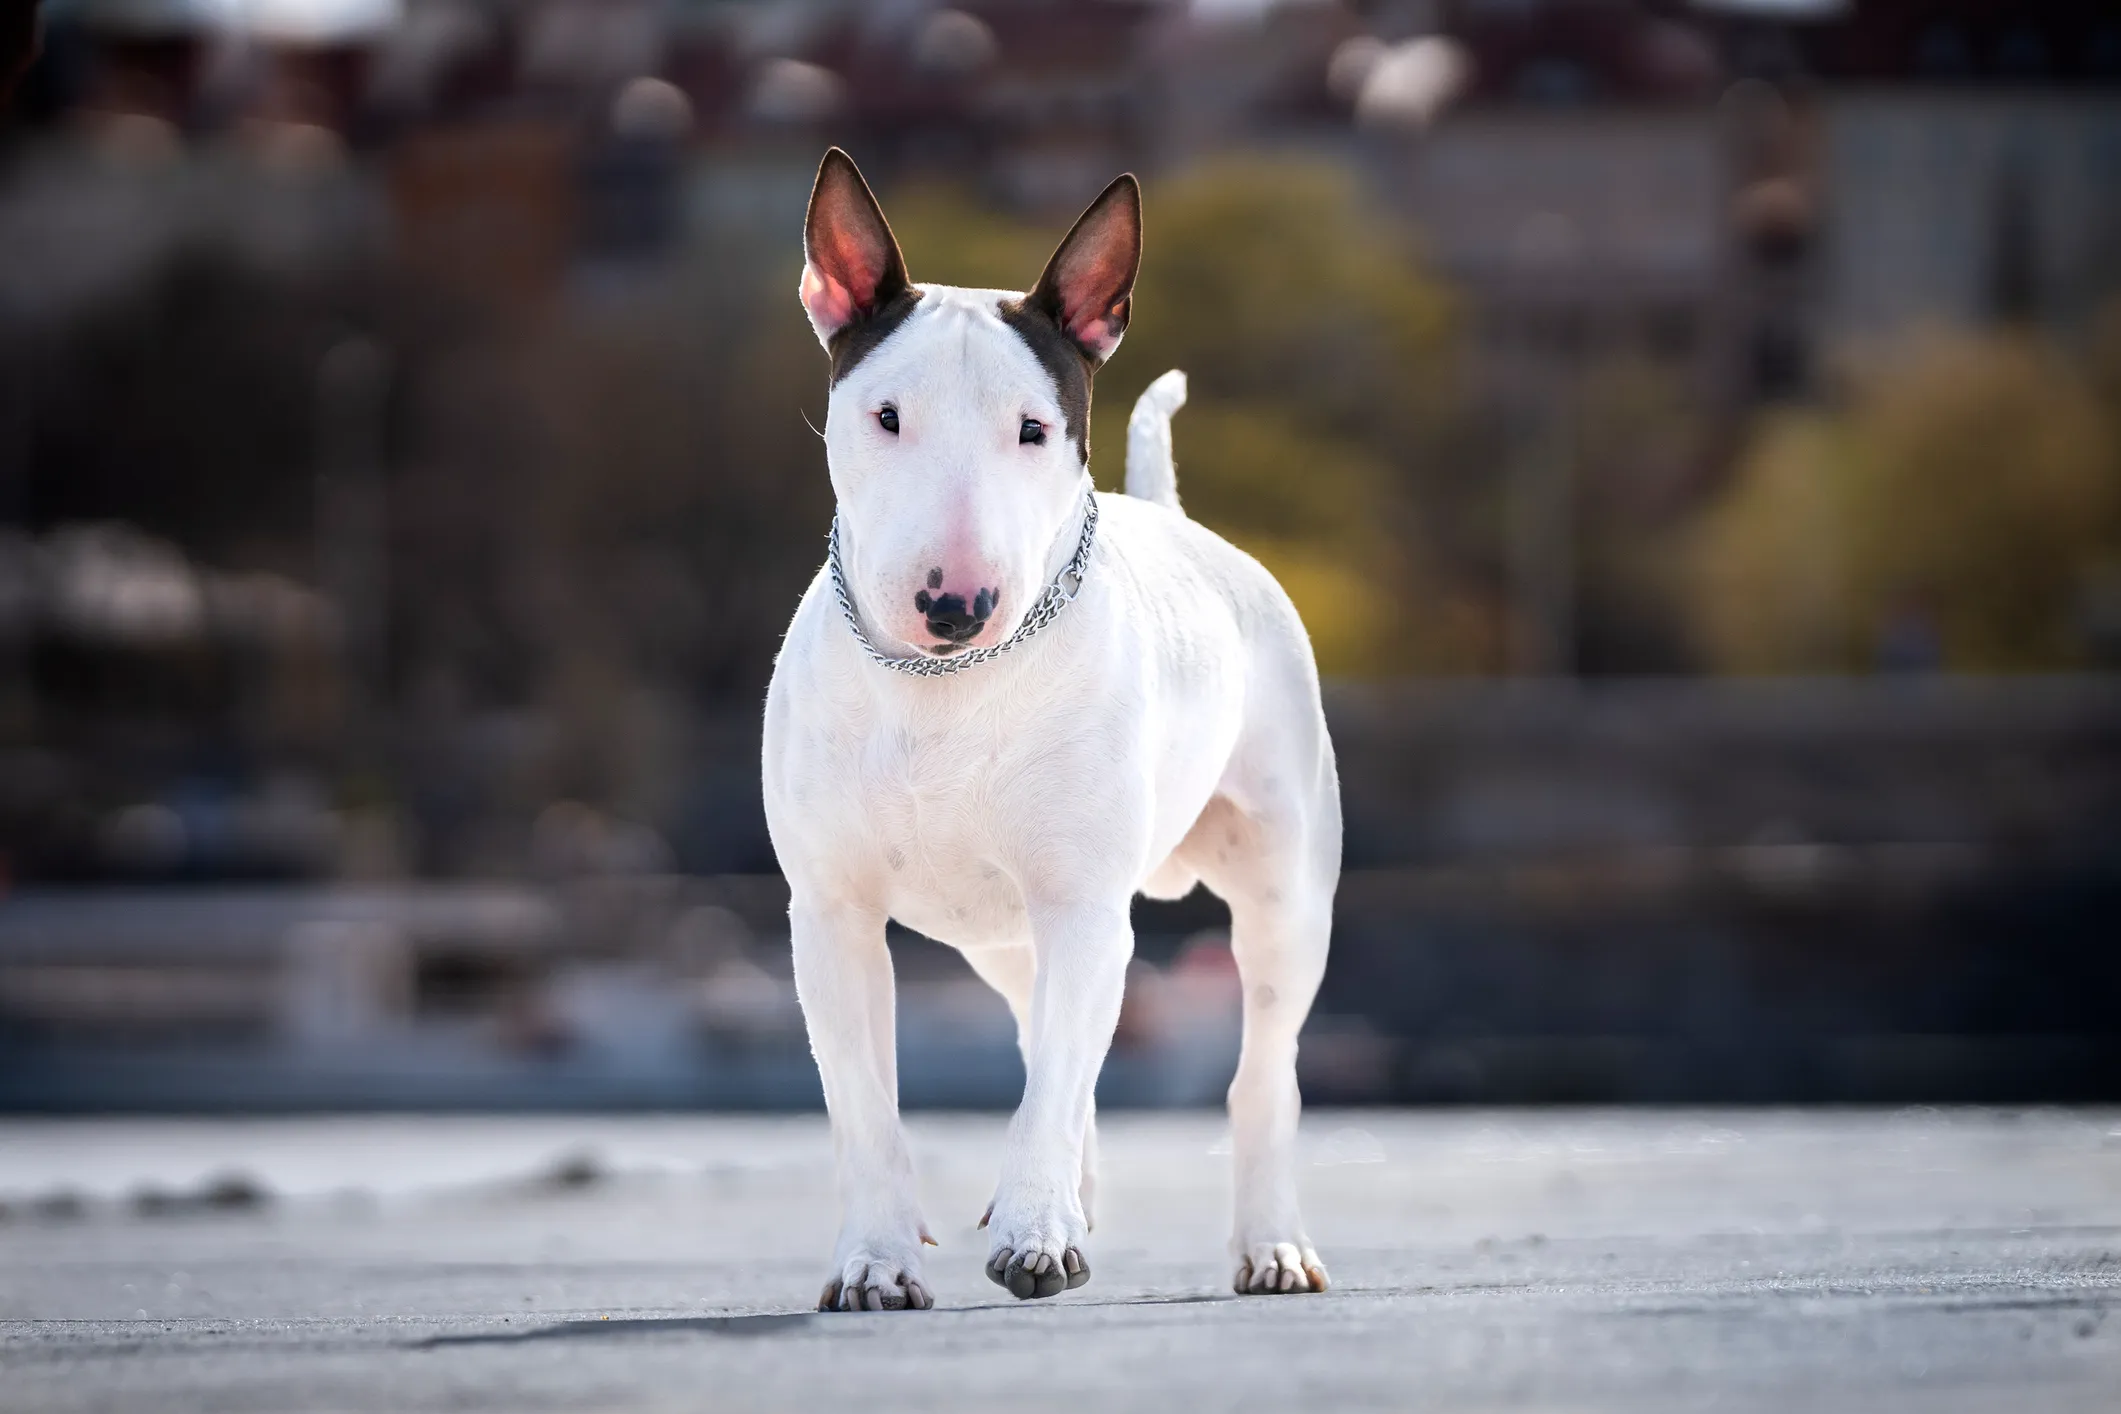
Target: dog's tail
pixel 1150 474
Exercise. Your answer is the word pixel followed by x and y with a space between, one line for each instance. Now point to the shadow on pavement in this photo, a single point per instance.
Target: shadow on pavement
pixel 757 1325
pixel 765 1323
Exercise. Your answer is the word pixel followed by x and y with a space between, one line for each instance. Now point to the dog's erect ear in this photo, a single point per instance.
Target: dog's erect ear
pixel 851 261
pixel 1088 286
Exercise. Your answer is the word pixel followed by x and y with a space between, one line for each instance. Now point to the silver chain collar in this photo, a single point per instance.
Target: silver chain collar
pixel 1056 596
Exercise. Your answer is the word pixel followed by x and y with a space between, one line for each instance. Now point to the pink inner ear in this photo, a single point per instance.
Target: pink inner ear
pixel 1099 329
pixel 1093 290
pixel 856 263
pixel 831 306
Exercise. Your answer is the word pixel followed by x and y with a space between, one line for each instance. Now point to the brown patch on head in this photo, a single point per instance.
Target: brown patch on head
pixel 1074 316
pixel 856 341
pixel 1064 362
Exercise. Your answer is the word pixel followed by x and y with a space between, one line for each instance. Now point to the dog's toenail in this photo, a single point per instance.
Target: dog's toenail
pixel 1078 1270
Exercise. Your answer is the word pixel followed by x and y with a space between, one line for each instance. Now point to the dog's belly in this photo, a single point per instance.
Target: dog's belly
pixel 965 912
pixel 949 891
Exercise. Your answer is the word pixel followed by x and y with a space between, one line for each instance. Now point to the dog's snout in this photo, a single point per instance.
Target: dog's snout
pixel 949 617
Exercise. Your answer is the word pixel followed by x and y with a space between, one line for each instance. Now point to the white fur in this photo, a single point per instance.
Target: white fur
pixel 1152 475
pixel 1165 728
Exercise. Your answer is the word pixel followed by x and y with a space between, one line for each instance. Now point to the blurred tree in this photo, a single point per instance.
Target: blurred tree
pixel 1640 444
pixel 183 405
pixel 1326 428
pixel 677 504
pixel 1955 510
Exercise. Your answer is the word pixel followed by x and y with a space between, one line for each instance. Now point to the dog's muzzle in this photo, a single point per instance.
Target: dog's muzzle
pixel 1056 596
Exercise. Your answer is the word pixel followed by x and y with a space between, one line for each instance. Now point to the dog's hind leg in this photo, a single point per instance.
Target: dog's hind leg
pixel 1281 955
pixel 843 978
pixel 1279 884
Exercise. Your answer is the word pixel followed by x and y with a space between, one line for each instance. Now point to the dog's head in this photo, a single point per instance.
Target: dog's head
pixel 958 427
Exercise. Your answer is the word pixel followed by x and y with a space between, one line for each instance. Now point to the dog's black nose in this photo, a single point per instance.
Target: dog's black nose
pixel 949 619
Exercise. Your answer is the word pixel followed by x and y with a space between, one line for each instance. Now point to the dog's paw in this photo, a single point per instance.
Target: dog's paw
pixel 877 1277
pixel 1279 1269
pixel 1034 1256
pixel 1034 1272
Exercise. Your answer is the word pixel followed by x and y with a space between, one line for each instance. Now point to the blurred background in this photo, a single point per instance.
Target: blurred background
pixel 1691 428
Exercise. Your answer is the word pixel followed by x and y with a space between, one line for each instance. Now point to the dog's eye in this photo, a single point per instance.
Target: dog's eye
pixel 887 416
pixel 1032 433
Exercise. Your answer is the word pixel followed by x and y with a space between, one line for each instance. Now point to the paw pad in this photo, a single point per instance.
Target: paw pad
pixel 1031 1275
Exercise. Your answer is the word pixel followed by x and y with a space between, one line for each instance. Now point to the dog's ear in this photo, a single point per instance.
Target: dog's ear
pixel 1088 286
pixel 851 261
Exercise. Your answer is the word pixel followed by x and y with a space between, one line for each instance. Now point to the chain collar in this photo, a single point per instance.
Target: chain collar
pixel 1056 596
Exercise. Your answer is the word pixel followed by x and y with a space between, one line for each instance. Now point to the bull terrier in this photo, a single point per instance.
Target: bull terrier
pixel 1006 705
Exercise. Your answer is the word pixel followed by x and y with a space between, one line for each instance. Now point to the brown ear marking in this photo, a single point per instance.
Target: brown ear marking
pixel 1065 362
pixel 1088 285
pixel 853 272
pixel 1074 316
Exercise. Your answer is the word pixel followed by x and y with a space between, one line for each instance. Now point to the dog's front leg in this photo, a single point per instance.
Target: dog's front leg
pixel 843 977
pixel 1037 1227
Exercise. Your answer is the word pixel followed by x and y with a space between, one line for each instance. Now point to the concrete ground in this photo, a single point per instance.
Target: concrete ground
pixel 1639 1261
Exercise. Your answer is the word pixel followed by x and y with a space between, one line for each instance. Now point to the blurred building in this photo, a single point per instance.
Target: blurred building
pixel 1715 184
pixel 1968 208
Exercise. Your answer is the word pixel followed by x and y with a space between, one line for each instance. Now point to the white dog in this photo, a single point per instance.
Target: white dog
pixel 1007 705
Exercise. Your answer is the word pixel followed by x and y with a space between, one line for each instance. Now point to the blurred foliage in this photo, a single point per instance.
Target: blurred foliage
pixel 1326 428
pixel 1965 494
pixel 619 515
pixel 1642 444
pixel 593 511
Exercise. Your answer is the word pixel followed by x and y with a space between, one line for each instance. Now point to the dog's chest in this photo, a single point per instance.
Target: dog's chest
pixel 939 813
